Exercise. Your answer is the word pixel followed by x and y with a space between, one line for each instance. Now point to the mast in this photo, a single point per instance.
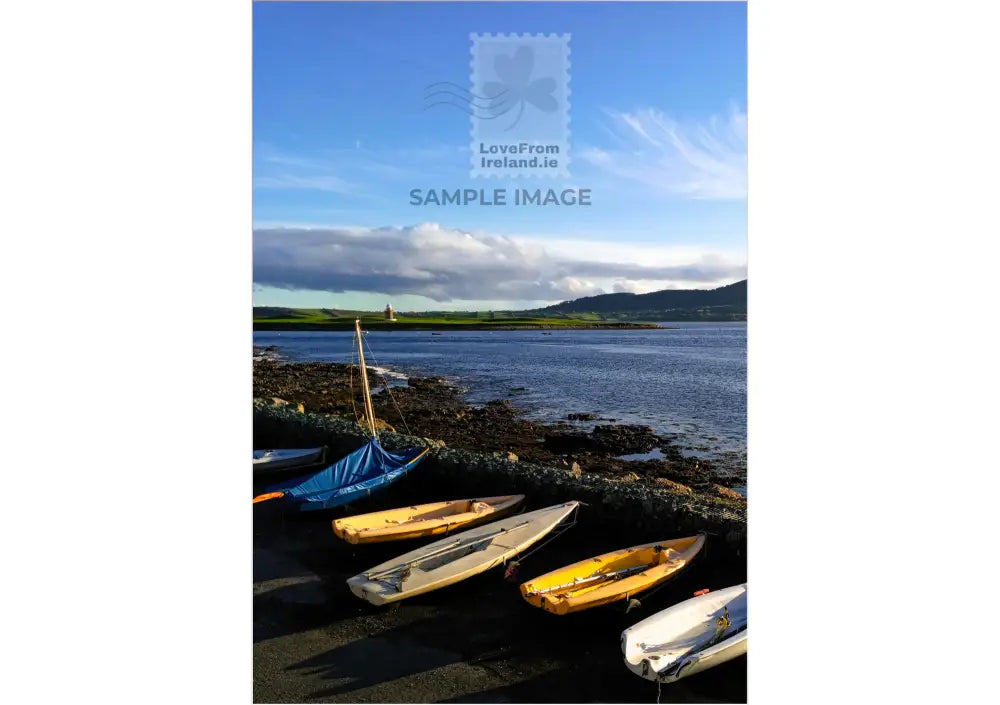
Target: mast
pixel 369 410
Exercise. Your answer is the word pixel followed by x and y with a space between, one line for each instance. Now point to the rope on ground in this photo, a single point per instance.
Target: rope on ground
pixel 649 593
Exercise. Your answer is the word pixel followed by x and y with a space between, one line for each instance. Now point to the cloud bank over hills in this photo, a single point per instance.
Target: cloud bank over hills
pixel 447 265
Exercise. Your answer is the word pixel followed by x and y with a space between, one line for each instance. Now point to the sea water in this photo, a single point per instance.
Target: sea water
pixel 688 382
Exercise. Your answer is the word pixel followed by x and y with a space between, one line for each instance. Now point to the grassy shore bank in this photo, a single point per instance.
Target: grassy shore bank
pixel 347 323
pixel 275 318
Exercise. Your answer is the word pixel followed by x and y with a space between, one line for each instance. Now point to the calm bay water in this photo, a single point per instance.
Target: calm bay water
pixel 689 382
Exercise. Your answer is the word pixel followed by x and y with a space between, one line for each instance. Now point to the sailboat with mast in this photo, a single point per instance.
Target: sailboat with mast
pixel 371 467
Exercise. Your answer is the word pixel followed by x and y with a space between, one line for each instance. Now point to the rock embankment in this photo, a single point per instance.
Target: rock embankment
pixel 434 408
pixel 625 502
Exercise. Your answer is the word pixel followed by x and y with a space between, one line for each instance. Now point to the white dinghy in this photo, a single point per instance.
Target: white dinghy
pixel 689 637
pixel 285 459
pixel 456 557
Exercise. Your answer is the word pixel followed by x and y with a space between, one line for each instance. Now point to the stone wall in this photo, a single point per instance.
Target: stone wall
pixel 612 504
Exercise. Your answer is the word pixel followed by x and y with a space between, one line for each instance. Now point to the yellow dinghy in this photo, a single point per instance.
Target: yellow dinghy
pixel 613 576
pixel 424 519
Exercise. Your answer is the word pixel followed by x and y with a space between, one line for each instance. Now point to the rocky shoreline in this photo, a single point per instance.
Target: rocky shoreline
pixel 431 408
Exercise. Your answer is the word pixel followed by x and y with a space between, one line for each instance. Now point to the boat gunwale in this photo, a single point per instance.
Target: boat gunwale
pixel 678 612
pixel 420 527
pixel 361 581
pixel 566 601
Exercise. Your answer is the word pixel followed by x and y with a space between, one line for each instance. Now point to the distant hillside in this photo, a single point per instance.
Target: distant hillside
pixel 725 303
pixel 279 318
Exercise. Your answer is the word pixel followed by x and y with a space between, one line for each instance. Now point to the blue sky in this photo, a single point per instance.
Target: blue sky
pixel 341 136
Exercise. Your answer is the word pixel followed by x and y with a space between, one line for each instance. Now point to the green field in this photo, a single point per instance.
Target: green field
pixel 268 318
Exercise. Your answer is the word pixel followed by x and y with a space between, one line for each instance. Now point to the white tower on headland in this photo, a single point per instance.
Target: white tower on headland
pixel 390 314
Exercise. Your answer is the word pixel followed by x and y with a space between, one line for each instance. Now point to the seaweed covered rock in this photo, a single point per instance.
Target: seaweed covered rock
pixel 727 492
pixel 672 486
pixel 569 442
pixel 626 500
pixel 623 439
pixel 425 382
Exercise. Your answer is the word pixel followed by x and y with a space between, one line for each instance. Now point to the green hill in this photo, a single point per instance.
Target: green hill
pixel 727 303
pixel 275 318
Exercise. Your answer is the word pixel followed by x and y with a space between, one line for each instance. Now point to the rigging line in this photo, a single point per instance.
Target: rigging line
pixel 363 366
pixel 556 533
pixel 354 407
pixel 565 524
pixel 388 390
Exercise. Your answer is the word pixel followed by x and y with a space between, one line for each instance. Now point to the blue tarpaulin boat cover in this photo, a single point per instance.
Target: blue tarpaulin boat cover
pixel 352 477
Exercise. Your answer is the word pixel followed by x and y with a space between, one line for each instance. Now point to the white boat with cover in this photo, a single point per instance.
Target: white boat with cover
pixel 286 458
pixel 689 637
pixel 457 557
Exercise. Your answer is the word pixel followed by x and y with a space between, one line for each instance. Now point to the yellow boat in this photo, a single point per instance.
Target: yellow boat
pixel 424 519
pixel 613 576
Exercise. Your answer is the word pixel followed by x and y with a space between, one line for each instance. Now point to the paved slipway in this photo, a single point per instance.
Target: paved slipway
pixel 477 641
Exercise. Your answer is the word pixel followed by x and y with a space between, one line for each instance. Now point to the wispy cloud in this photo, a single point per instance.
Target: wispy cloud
pixel 449 264
pixel 705 161
pixel 367 170
pixel 274 169
pixel 313 182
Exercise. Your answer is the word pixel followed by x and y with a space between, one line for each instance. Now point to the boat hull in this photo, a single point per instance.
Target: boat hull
pixel 424 520
pixel 355 476
pixel 456 557
pixel 359 491
pixel 611 577
pixel 267 461
pixel 727 650
pixel 685 639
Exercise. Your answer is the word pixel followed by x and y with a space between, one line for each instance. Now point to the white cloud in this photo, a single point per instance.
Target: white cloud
pixel 301 182
pixel 445 265
pixel 704 161
pixel 274 169
pixel 324 170
pixel 627 286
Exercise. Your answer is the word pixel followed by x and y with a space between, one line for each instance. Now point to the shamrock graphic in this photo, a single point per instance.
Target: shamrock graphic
pixel 516 88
